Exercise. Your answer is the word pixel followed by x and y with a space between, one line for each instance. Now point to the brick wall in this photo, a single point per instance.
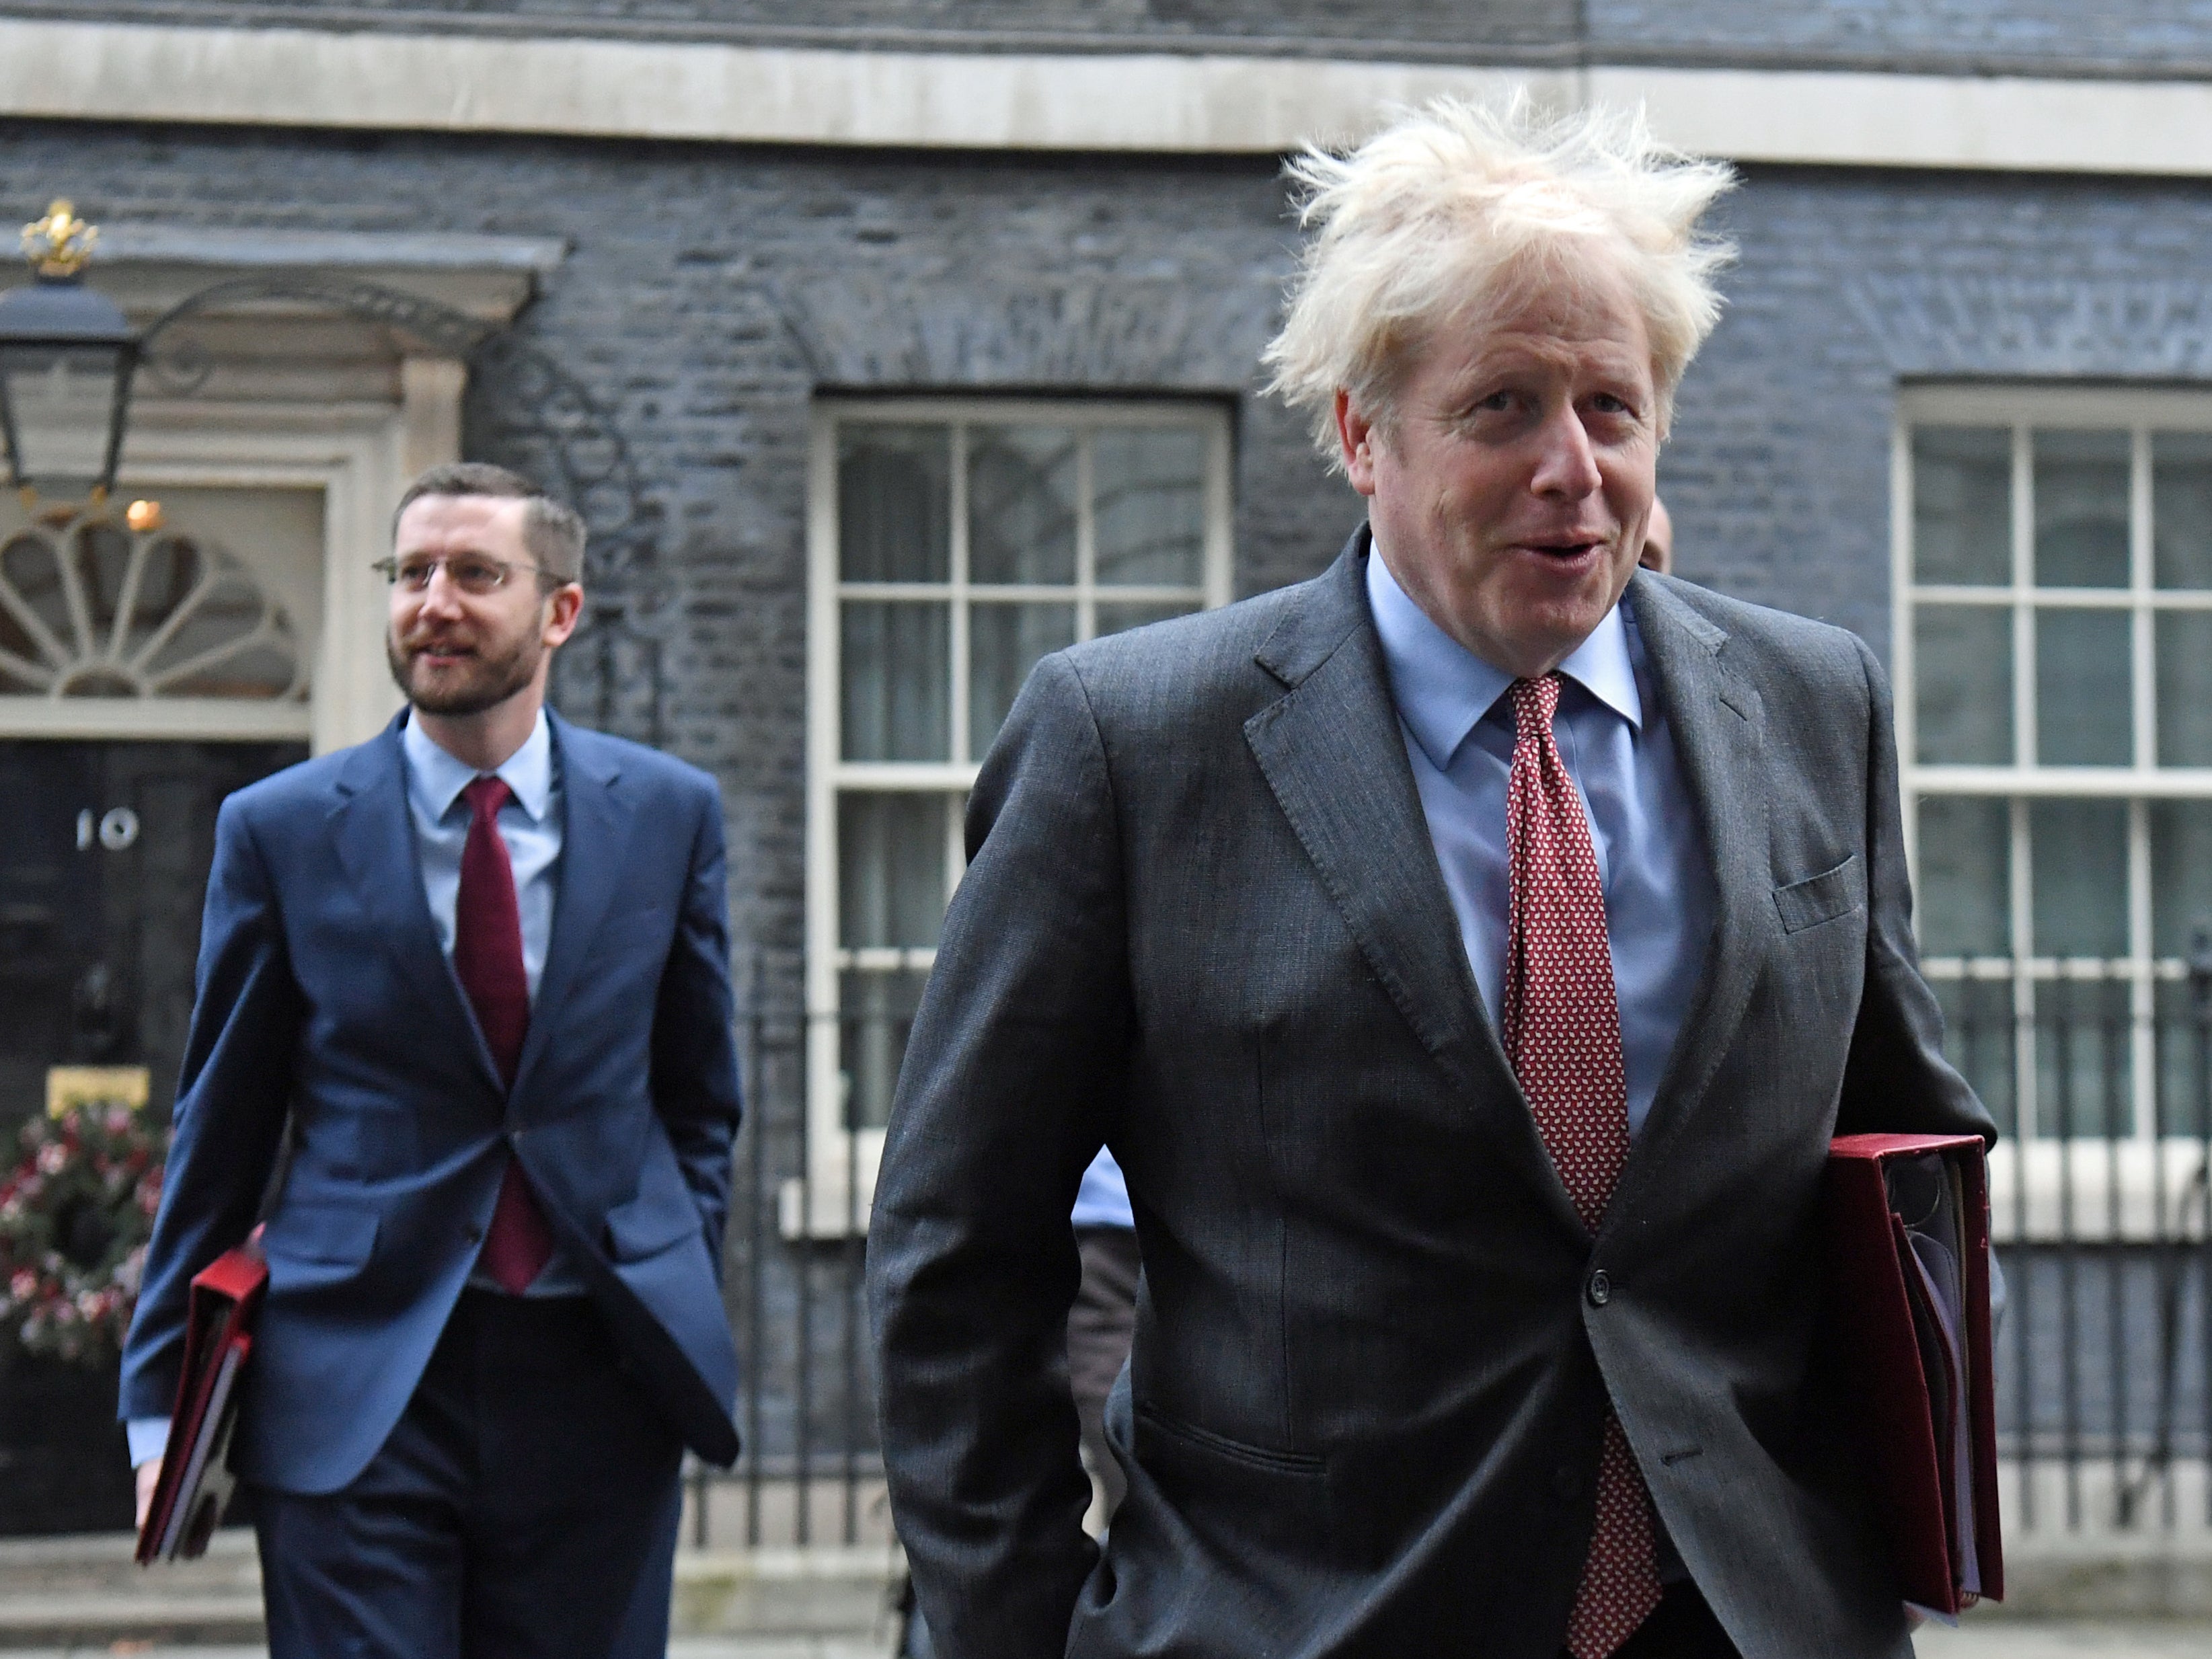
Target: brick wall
pixel 2042 36
pixel 712 292
pixel 1852 282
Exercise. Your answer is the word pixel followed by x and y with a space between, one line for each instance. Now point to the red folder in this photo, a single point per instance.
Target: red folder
pixel 1934 1467
pixel 196 1479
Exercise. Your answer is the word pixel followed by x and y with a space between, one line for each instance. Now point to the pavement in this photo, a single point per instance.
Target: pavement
pixel 765 1647
pixel 1983 1638
pixel 2036 1639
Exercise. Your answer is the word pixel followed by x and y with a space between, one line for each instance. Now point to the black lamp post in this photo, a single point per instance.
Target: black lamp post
pixel 67 353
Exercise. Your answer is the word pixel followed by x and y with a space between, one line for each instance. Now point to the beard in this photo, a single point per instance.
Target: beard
pixel 487 674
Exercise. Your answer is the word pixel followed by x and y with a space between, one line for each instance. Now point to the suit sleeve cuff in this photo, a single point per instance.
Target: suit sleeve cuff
pixel 149 1437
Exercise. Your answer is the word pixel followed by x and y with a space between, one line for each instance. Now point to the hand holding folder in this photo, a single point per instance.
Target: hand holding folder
pixel 196 1481
pixel 1909 1282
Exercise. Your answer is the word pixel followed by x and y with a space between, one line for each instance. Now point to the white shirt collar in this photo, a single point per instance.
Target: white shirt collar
pixel 1443 689
pixel 528 771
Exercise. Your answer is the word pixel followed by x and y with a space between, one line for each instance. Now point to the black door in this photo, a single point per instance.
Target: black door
pixel 104 855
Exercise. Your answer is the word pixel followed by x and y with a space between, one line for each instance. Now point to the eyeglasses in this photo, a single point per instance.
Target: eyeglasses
pixel 472 573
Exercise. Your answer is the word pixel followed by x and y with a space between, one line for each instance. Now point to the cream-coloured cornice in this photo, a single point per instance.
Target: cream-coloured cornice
pixel 1158 102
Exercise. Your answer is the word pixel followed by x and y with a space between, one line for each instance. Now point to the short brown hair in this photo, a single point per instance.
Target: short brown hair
pixel 552 530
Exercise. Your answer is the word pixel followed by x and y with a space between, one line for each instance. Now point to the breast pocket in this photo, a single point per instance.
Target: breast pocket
pixel 1816 899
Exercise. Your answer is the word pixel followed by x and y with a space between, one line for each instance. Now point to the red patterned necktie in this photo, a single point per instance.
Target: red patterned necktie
pixel 1563 1035
pixel 487 961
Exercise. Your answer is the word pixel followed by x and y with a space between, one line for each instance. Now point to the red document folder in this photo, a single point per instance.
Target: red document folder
pixel 1934 1466
pixel 196 1479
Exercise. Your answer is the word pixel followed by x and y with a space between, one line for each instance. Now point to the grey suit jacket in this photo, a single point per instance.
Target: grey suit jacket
pixel 1204 923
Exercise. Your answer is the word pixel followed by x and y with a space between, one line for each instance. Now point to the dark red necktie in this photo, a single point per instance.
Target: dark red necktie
pixel 487 961
pixel 1563 1035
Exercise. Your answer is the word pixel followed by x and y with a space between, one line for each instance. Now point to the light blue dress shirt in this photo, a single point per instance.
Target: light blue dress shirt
pixel 1613 734
pixel 1103 1199
pixel 530 824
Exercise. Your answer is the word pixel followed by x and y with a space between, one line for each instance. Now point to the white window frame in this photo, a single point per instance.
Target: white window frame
pixel 840 1187
pixel 2066 1181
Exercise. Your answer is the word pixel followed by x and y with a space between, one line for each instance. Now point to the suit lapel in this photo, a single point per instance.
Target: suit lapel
pixel 591 856
pixel 1334 757
pixel 376 846
pixel 1718 723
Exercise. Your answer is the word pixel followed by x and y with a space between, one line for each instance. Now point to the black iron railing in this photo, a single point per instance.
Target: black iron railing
pixel 811 1470
pixel 2100 1074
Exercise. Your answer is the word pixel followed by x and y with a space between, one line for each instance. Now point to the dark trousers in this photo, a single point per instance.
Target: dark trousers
pixel 524 1507
pixel 1100 1326
pixel 1682 1627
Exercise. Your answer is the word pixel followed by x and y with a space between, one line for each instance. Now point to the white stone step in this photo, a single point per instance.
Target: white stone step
pixel 86 1591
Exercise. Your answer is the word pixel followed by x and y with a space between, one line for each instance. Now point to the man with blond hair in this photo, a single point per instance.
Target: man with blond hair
pixel 1469 955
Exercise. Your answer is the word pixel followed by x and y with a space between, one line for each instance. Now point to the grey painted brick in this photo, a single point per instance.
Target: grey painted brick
pixel 713 292
pixel 2062 36
pixel 707 326
pixel 1851 281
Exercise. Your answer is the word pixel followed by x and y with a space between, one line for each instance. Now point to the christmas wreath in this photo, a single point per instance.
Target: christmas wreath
pixel 75 1213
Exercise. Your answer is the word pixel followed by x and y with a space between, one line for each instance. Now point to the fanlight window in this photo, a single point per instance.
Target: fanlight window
pixel 94 610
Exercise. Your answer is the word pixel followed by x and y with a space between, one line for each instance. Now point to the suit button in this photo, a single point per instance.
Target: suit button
pixel 1567 1482
pixel 1601 1289
pixel 473 1233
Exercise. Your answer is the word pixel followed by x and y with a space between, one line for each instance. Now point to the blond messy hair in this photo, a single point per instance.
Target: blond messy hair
pixel 1458 209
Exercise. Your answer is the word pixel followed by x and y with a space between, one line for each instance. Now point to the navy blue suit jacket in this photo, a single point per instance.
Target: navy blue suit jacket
pixel 322 991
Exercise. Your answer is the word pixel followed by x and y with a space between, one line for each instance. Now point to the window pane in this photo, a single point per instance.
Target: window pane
pixel 1004 643
pixel 890 870
pixel 1151 500
pixel 1963 662
pixel 2181 509
pixel 2080 850
pixel 897 700
pixel 2083 689
pixel 2081 509
pixel 1021 505
pixel 894 495
pixel 877 1017
pixel 1966 876
pixel 2185 688
pixel 2180 875
pixel 1962 504
pixel 1978 1039
pixel 1117 618
pixel 31 566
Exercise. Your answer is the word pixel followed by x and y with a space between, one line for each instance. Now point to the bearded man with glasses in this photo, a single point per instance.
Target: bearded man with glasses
pixel 463 1034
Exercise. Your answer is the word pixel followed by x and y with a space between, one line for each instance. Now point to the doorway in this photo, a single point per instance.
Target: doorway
pixel 105 848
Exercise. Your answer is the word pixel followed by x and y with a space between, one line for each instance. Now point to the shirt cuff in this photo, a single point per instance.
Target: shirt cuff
pixel 149 1438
